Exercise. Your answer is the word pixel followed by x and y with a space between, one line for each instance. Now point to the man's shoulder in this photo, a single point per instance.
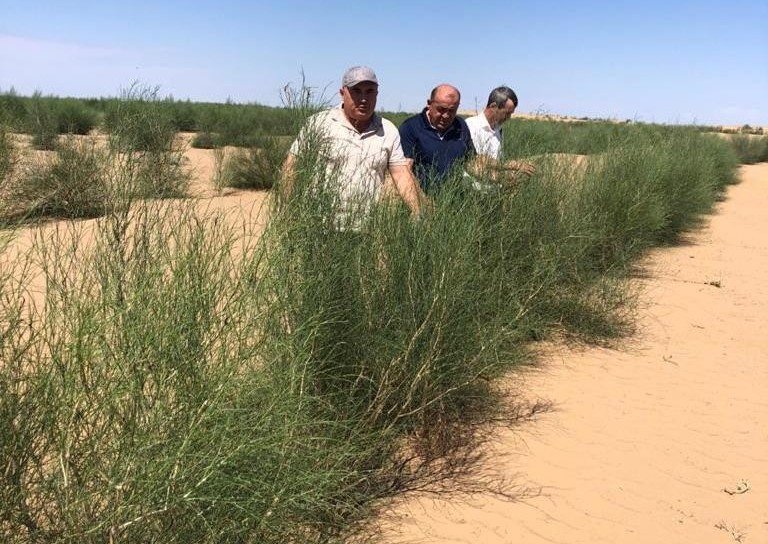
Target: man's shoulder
pixel 324 115
pixel 411 122
pixel 462 121
pixel 387 125
pixel 474 121
pixel 320 120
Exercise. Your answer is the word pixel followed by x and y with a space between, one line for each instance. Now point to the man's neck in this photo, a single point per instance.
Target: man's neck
pixel 486 112
pixel 360 125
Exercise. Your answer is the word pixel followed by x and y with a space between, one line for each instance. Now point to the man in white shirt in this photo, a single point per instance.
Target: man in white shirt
pixel 487 137
pixel 358 148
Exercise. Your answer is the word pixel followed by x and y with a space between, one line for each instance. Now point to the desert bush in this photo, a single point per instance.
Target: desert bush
pixel 181 385
pixel 183 114
pixel 139 122
pixel 750 149
pixel 142 136
pixel 204 140
pixel 74 116
pixel 256 167
pixel 148 385
pixel 7 157
pixel 43 122
pixel 160 175
pixel 13 111
pixel 72 184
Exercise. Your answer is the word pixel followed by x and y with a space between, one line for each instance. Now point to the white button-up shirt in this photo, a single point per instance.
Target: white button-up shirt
pixel 486 139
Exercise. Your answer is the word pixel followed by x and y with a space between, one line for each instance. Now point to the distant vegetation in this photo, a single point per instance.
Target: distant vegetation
pixel 247 125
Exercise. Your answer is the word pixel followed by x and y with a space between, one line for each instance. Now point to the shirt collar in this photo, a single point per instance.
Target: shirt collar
pixel 454 126
pixel 337 114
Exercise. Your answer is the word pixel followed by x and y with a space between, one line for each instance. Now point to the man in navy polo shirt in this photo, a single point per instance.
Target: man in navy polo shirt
pixel 436 140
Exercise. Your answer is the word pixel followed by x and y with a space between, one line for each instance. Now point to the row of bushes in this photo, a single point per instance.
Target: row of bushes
pixel 525 137
pixel 45 117
pixel 184 383
pixel 250 125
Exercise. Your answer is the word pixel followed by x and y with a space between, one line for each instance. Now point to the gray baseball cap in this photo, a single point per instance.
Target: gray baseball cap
pixel 358 74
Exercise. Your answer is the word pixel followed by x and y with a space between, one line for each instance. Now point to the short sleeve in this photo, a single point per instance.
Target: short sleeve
pixel 397 156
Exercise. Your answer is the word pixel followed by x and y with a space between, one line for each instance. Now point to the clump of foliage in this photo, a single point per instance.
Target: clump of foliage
pixel 74 116
pixel 142 132
pixel 72 184
pixel 13 110
pixel 139 122
pixel 43 123
pixel 256 167
pixel 750 149
pixel 7 156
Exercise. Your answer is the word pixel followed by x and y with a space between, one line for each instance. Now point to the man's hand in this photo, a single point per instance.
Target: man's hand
pixel 408 188
pixel 520 167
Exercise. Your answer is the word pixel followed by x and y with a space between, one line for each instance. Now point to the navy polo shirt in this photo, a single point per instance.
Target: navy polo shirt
pixel 433 156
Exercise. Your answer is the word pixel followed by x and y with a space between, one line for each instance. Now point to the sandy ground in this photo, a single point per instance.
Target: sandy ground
pixel 245 211
pixel 643 441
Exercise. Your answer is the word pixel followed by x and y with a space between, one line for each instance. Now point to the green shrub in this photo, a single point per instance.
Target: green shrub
pixel 73 184
pixel 160 175
pixel 204 140
pixel 13 111
pixel 7 157
pixel 139 122
pixel 74 117
pixel 43 122
pixel 750 149
pixel 257 167
pixel 192 387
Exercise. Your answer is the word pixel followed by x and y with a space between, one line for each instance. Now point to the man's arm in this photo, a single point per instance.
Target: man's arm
pixel 407 187
pixel 484 166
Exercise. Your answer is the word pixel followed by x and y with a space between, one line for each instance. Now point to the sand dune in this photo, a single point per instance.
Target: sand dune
pixel 653 441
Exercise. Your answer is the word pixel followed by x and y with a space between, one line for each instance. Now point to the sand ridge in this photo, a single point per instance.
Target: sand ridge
pixel 655 441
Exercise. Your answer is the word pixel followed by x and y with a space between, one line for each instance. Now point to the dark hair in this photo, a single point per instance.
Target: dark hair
pixel 500 95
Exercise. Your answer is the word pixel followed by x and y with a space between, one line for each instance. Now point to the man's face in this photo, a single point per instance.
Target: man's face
pixel 500 115
pixel 441 110
pixel 359 102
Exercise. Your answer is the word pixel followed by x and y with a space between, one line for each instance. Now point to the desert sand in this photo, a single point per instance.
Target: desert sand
pixel 663 439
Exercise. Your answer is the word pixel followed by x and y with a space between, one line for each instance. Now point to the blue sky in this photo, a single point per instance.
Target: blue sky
pixel 658 61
